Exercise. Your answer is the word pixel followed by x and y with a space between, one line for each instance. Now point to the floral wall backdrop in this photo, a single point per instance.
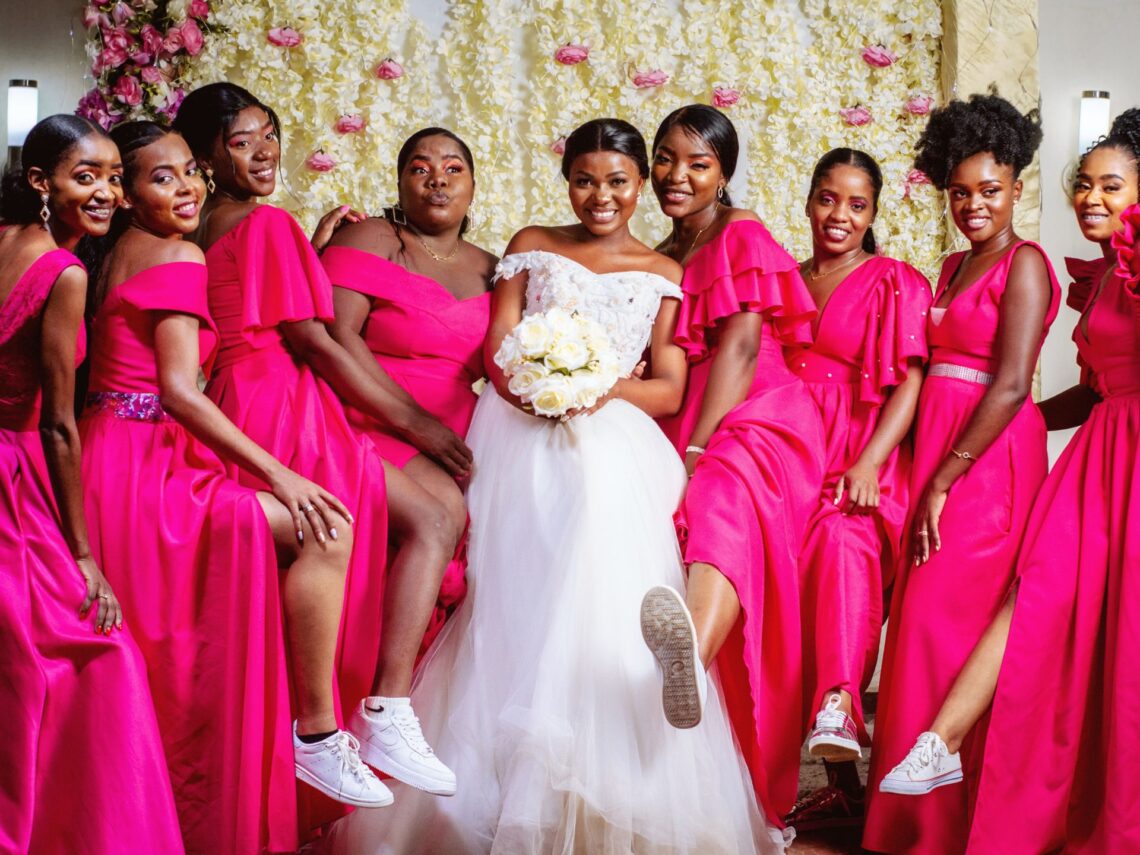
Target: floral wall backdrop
pixel 351 80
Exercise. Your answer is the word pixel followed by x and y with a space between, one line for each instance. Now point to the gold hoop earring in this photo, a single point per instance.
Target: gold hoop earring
pixel 720 194
pixel 45 212
pixel 211 187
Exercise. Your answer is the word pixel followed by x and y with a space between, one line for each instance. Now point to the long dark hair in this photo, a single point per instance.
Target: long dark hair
pixel 606 135
pixel 861 161
pixel 712 126
pixel 209 112
pixel 405 155
pixel 47 144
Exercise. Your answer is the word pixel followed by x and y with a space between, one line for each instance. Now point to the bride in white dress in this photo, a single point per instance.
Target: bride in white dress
pixel 540 693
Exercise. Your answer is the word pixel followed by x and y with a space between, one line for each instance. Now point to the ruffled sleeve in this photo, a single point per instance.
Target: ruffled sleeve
pixel 282 279
pixel 512 265
pixel 743 269
pixel 179 286
pixel 1126 242
pixel 898 332
pixel 364 272
pixel 1086 276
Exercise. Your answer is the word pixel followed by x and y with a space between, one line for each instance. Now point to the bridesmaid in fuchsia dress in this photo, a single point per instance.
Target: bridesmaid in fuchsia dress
pixel 413 305
pixel 81 764
pixel 753 444
pixel 199 565
pixel 864 371
pixel 281 377
pixel 980 452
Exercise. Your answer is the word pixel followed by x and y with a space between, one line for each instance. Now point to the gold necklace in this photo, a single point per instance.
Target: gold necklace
pixel 700 232
pixel 813 275
pixel 435 254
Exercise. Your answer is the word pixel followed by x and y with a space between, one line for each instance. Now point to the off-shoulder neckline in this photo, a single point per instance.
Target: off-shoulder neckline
pixel 669 285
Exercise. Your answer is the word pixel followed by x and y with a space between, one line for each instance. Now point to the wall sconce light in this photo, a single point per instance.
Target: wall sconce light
pixel 23 111
pixel 1095 116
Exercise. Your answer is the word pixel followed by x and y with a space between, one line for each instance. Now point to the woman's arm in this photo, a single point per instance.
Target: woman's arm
pixel 507 301
pixel 1023 308
pixel 1070 408
pixel 663 390
pixel 63 313
pixel 176 351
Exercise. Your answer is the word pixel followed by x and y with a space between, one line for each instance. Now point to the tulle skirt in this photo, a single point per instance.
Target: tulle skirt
pixel 541 693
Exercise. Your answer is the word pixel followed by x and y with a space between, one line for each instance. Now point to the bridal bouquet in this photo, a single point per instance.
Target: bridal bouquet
pixel 557 361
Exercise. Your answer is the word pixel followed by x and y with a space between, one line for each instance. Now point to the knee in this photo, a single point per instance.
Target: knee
pixel 335 553
pixel 439 525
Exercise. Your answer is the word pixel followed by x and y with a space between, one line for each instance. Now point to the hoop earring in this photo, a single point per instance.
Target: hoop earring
pixel 211 187
pixel 720 194
pixel 45 212
pixel 398 216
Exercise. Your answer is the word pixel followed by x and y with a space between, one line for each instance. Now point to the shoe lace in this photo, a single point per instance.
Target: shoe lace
pixel 347 748
pixel 408 724
pixel 926 752
pixel 830 719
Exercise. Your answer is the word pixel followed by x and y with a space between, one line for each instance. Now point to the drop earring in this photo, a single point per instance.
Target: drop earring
pixel 398 216
pixel 45 212
pixel 472 216
pixel 211 187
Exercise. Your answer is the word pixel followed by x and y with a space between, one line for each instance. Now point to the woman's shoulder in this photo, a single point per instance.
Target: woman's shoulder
pixel 659 264
pixel 374 235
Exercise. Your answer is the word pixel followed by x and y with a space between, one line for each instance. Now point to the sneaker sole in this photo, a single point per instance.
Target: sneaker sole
pixel 383 763
pixel 920 788
pixel 668 634
pixel 834 749
pixel 313 781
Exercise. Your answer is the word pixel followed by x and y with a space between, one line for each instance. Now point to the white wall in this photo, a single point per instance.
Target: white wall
pixel 1085 44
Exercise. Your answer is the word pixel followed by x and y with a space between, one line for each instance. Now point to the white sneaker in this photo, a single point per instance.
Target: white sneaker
pixel 671 637
pixel 834 736
pixel 929 765
pixel 391 741
pixel 333 766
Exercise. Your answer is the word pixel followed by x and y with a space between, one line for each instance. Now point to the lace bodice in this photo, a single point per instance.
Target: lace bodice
pixel 624 303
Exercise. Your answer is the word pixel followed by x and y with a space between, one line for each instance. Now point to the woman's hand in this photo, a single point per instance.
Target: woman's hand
pixel 861 484
pixel 330 222
pixel 108 612
pixel 636 374
pixel 925 528
pixel 305 500
pixel 441 443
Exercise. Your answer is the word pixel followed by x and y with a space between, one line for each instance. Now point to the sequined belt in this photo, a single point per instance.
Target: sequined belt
pixel 961 372
pixel 138 406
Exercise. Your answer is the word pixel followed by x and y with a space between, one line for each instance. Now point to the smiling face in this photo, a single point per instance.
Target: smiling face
pixel 436 185
pixel 244 158
pixel 686 174
pixel 604 186
pixel 982 193
pixel 83 189
pixel 1105 185
pixel 166 190
pixel 841 210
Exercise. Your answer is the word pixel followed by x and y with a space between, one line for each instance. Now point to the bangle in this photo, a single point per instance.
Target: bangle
pixel 963 455
pixel 694 449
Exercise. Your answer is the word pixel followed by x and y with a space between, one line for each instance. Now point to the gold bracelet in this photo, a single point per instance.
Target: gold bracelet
pixel 963 455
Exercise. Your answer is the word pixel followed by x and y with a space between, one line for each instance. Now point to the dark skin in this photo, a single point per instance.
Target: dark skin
pixel 82 193
pixel 164 196
pixel 243 164
pixel 982 194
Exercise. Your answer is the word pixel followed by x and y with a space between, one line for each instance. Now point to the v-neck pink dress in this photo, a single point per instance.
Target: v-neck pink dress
pixel 431 344
pixel 1059 767
pixel 872 325
pixel 753 490
pixel 81 762
pixel 940 610
pixel 191 556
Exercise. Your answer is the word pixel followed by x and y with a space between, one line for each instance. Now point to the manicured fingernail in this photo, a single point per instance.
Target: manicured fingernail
pixel 343 208
pixel 351 518
pixel 332 533
pixel 300 535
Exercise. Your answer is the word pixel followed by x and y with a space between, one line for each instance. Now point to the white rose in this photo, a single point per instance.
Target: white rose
pixel 552 395
pixel 561 323
pixel 534 335
pixel 522 381
pixel 567 354
pixel 589 386
pixel 508 352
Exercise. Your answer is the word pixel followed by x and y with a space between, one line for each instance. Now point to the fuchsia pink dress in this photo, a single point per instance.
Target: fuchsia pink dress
pixel 753 490
pixel 431 344
pixel 264 273
pixel 192 559
pixel 940 610
pixel 81 764
pixel 1059 767
pixel 872 325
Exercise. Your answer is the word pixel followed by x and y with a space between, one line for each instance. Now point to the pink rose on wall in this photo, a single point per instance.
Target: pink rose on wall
pixel 559 146
pixel 318 161
pixel 284 37
pixel 116 38
pixel 94 106
pixel 920 105
pixel 389 69
pixel 93 17
pixel 570 54
pixel 649 79
pixel 109 58
pixel 349 123
pixel 173 102
pixel 173 41
pixel 127 90
pixel 914 178
pixel 198 9
pixel 151 39
pixel 878 56
pixel 725 96
pixel 151 75
pixel 856 116
pixel 192 37
pixel 141 58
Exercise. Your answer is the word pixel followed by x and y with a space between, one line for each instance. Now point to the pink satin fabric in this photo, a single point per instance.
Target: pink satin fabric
pixel 939 610
pixel 872 325
pixel 192 558
pixel 1059 759
pixel 752 492
pixel 81 763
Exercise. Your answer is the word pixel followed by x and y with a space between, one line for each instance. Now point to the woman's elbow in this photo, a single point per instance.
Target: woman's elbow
pixel 177 399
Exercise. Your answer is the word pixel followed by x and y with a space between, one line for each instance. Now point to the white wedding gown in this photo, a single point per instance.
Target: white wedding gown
pixel 540 693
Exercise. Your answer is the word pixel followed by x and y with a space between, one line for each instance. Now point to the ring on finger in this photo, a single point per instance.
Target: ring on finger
pixel 307 508
pixel 103 597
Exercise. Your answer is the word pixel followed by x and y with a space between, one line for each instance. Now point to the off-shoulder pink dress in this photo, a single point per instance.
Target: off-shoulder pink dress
pixel 431 344
pixel 81 763
pixel 1059 767
pixel 873 324
pixel 753 490
pixel 264 273
pixel 940 610
pixel 192 559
